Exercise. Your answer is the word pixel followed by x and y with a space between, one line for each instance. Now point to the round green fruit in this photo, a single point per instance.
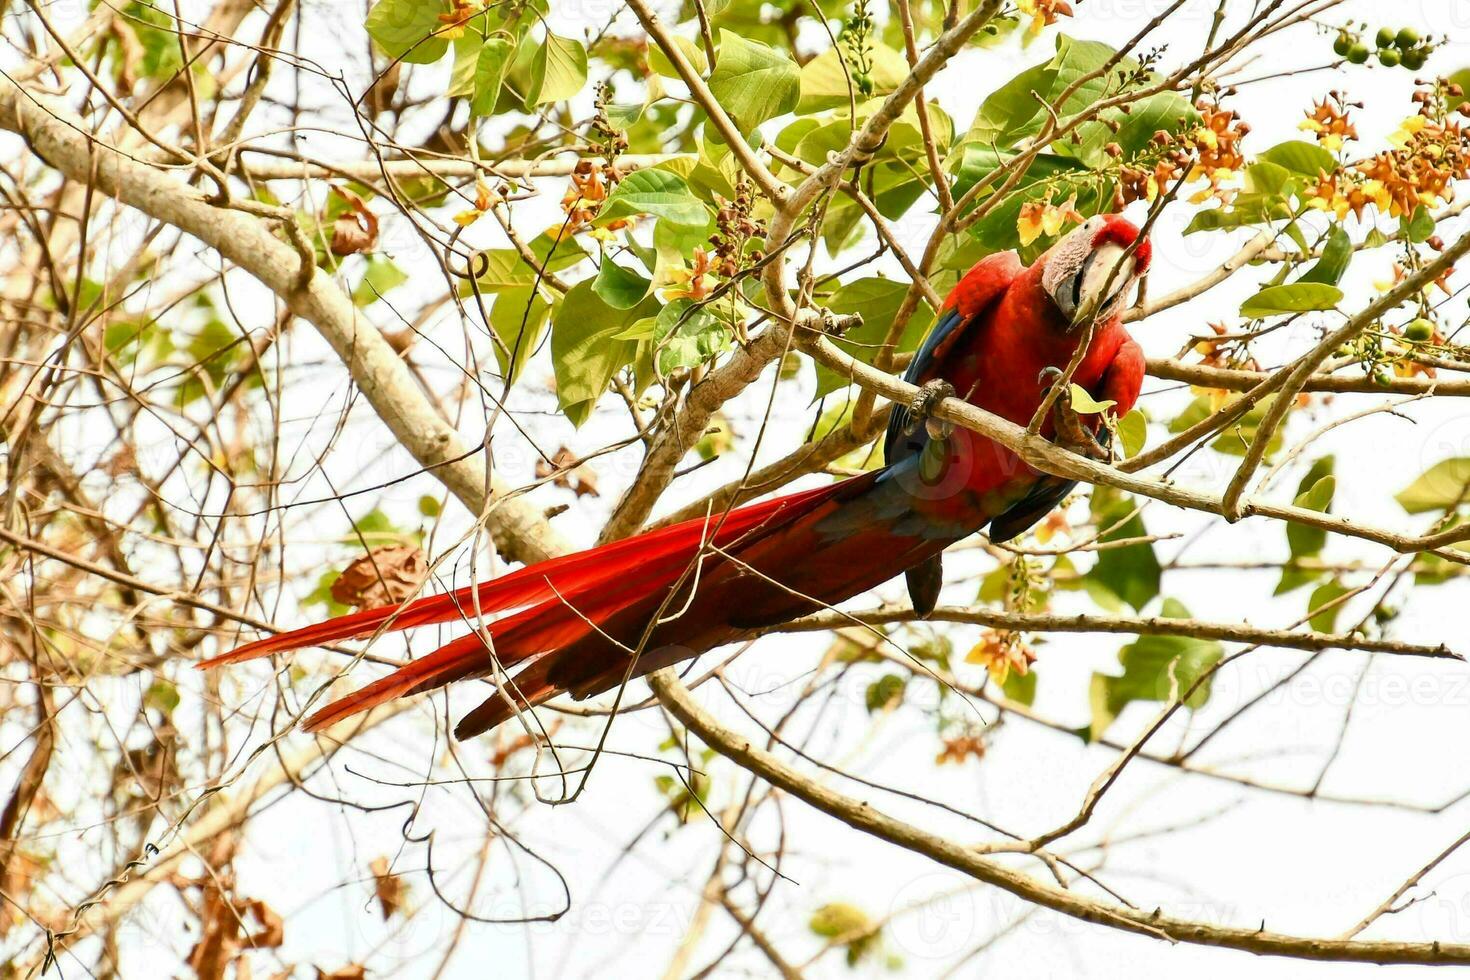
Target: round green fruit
pixel 1358 54
pixel 1414 59
pixel 1406 38
pixel 1388 57
pixel 1419 330
pixel 1343 44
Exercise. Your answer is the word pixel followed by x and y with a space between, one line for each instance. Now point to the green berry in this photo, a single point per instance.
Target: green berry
pixel 1382 378
pixel 1414 59
pixel 1388 57
pixel 1419 330
pixel 1406 38
pixel 1385 37
pixel 1358 54
pixel 1343 44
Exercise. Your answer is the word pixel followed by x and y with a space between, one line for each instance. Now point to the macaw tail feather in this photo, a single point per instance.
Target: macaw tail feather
pixel 553 614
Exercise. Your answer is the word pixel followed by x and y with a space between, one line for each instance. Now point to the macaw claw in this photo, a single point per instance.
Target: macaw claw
pixel 1072 433
pixel 921 408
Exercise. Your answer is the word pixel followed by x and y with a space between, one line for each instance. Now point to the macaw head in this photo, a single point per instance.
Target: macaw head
pixel 1089 272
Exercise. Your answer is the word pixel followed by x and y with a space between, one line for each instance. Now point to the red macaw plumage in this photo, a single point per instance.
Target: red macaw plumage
pixel 574 624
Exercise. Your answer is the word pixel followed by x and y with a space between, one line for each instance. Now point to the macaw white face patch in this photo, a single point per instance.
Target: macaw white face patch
pixel 1086 280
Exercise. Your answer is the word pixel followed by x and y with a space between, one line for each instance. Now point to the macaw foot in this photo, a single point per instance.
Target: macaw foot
pixel 921 409
pixel 1072 434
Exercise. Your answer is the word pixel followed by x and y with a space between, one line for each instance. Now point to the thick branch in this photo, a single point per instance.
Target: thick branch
pixel 56 136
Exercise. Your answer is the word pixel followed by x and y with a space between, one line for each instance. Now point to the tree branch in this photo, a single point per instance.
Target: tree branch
pixel 60 139
pixel 861 816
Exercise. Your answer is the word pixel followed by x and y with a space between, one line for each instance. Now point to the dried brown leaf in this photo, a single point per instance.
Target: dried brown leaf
pixel 382 577
pixel 388 887
pixel 356 230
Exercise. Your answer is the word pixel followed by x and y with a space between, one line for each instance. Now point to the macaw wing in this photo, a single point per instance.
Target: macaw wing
pixel 1043 498
pixel 971 298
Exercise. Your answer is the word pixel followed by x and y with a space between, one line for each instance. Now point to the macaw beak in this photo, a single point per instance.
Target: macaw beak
pixel 1098 285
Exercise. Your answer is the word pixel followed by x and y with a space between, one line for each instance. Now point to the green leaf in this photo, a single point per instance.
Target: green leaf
pixel 490 69
pixel 620 287
pixel 1324 620
pixel 753 81
pixel 693 53
pixel 322 594
pixel 162 58
pixel 374 527
pixel 625 115
pixel 1084 404
pixel 380 276
pixel 162 696
pixel 504 268
pixel 518 319
pixel 885 693
pixel 1006 113
pixel 1293 578
pixel 1048 174
pixel 1153 668
pixel 877 300
pixel 657 192
pixel 1445 484
pixel 1163 111
pixel 1246 209
pixel 406 30
pixel 466 54
pixel 1131 572
pixel 824 84
pixel 1296 297
pixel 558 70
pixel 1314 493
pixel 1462 79
pixel 687 334
pixel 1336 254
pixel 1419 227
pixel 1301 158
pixel 1020 688
pixel 1133 432
pixel 1017 109
pixel 584 350
pixel 1236 439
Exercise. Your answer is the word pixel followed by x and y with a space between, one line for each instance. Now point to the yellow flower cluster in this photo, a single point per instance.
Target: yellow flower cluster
pixel 1430 152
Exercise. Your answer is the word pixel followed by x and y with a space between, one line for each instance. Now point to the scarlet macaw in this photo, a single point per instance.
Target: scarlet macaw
pixel 587 622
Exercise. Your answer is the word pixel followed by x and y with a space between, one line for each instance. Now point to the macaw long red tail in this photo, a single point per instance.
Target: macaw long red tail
pixel 570 574
pixel 517 639
pixel 552 604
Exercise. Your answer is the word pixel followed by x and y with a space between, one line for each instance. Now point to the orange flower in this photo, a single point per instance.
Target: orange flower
pixel 1329 121
pixel 460 14
pixel 1043 13
pixel 1002 651
pixel 690 283
pixel 1043 217
pixel 960 748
